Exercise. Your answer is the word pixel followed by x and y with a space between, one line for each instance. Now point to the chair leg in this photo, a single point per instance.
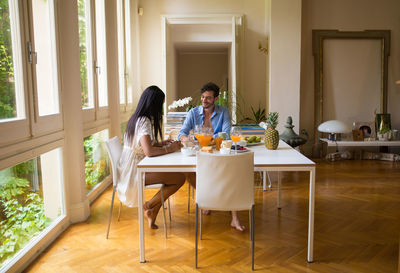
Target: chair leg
pixel 264 177
pixel 163 210
pixel 119 210
pixel 189 198
pixel 201 221
pixel 169 210
pixel 196 239
pixel 111 209
pixel 253 237
pixel 250 224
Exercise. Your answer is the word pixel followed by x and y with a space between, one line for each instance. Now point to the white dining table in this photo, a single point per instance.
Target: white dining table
pixel 285 158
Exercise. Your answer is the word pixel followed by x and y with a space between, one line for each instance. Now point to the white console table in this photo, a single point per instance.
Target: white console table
pixel 349 143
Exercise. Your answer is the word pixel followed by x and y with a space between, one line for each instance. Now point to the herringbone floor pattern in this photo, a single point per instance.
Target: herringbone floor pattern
pixel 357 226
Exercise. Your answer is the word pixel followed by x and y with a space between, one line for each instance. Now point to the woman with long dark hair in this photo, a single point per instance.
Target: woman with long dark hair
pixel 143 137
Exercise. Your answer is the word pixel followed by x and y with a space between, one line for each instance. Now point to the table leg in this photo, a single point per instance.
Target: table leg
pixel 279 189
pixel 140 213
pixel 264 180
pixel 310 258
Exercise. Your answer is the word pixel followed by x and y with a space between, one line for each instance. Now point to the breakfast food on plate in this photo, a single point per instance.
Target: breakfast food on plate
pixel 238 148
pixel 253 139
pixel 226 144
pixel 206 149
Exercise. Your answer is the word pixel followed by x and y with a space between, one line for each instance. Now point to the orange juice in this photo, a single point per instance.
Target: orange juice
pixel 235 138
pixel 218 141
pixel 199 137
pixel 205 140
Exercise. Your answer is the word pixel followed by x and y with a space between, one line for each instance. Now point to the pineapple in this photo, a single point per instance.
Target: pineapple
pixel 271 136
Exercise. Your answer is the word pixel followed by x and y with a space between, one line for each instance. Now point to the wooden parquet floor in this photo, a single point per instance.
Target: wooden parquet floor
pixel 357 226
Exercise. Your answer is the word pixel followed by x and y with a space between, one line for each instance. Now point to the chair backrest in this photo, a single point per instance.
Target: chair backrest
pixel 114 150
pixel 225 182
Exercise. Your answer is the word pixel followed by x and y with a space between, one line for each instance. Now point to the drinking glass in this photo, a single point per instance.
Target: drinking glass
pixel 236 134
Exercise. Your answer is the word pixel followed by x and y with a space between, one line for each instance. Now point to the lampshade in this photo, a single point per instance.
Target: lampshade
pixel 334 127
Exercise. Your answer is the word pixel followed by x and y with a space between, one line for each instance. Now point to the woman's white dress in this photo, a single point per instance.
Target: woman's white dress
pixel 132 154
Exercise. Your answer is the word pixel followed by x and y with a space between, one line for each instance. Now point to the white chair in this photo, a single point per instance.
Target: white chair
pixel 114 150
pixel 225 182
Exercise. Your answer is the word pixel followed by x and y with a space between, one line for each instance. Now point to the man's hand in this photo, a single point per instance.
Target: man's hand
pixel 184 139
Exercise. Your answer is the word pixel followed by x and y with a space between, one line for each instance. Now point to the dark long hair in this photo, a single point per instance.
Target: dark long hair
pixel 150 106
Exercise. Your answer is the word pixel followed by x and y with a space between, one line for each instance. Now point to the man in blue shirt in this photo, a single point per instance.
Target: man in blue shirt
pixel 214 116
pixel 208 114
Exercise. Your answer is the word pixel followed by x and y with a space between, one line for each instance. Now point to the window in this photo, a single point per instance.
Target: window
pixel 11 83
pixel 31 200
pixel 93 61
pixel 96 159
pixel 29 92
pixel 44 57
pixel 85 46
pixel 124 55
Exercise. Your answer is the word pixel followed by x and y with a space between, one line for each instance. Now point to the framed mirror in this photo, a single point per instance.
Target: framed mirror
pixel 375 45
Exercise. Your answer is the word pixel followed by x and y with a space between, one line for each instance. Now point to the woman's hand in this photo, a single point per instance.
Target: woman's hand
pixel 167 142
pixel 174 146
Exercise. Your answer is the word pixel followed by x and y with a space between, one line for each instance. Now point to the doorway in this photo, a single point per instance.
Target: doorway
pixel 198 49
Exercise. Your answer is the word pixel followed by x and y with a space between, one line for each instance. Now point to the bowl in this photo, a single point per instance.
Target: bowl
pixel 242 143
pixel 188 151
pixel 225 151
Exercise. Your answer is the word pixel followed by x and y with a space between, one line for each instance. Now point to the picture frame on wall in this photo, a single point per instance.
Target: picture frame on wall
pixel 367 128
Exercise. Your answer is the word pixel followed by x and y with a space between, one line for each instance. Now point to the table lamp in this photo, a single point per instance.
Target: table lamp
pixel 334 128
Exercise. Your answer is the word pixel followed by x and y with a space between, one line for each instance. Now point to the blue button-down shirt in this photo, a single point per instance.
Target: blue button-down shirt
pixel 220 120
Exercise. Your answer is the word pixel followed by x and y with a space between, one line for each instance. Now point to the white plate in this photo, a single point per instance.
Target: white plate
pixel 255 143
pixel 239 151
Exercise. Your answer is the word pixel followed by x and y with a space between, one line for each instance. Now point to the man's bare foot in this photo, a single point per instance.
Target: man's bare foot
pixel 237 225
pixel 206 212
pixel 151 217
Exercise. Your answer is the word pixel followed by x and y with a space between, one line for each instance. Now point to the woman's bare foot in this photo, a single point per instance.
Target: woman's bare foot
pixel 237 225
pixel 236 222
pixel 151 216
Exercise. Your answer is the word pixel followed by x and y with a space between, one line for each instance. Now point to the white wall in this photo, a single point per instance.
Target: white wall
pixel 355 15
pixel 197 68
pixel 253 62
pixel 284 65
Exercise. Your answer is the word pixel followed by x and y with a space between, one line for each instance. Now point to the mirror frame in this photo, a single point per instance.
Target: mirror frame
pixel 318 38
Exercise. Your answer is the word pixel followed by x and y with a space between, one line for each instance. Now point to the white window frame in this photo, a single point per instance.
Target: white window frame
pixel 125 56
pixel 32 125
pixel 92 116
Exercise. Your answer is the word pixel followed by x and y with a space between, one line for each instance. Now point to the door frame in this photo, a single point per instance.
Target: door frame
pixel 236 23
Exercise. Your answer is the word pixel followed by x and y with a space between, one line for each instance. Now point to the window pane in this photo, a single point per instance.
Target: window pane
pixel 96 159
pixel 101 53
pixel 46 64
pixel 85 46
pixel 31 199
pixel 128 53
pixel 11 85
pixel 121 51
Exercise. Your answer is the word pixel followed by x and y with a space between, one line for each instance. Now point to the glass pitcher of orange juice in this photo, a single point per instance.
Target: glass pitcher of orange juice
pixel 203 135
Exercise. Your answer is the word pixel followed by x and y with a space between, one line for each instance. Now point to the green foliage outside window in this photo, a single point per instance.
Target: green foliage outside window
pixel 96 169
pixel 83 52
pixel 7 87
pixel 22 214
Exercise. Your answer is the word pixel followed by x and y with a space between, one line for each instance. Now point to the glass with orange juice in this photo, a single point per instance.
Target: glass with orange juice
pixel 218 140
pixel 236 134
